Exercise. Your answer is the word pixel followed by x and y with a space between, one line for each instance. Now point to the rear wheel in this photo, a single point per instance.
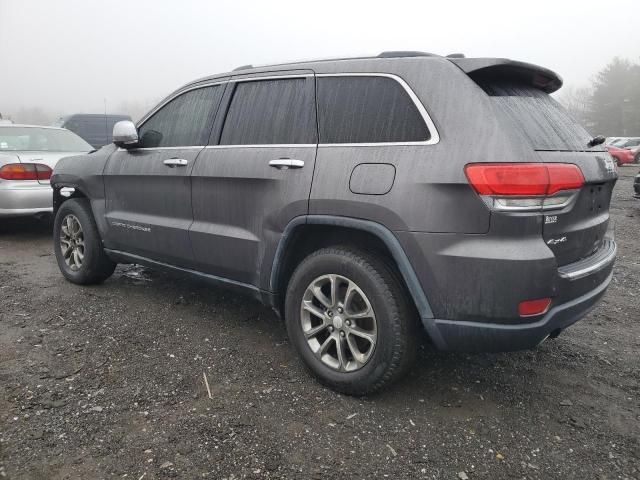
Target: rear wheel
pixel 77 244
pixel 350 320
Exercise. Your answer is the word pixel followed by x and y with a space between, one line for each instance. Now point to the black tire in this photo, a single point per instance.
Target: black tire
pixel 397 322
pixel 96 267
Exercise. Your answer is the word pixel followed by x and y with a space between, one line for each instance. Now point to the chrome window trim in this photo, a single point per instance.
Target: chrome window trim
pixel 434 139
pixel 431 127
pixel 266 145
pixel 190 147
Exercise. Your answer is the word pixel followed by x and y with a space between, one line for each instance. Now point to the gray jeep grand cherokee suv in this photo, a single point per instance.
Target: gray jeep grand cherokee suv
pixel 362 199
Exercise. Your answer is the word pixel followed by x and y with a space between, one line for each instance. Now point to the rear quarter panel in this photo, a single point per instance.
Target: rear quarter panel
pixel 430 192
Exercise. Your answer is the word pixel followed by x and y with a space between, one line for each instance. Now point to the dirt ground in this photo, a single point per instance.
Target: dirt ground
pixel 108 381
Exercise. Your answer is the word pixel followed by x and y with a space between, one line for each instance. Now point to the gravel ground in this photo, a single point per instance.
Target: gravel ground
pixel 108 381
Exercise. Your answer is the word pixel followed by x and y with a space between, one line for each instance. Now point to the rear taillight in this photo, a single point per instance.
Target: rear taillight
pixel 25 171
pixel 525 186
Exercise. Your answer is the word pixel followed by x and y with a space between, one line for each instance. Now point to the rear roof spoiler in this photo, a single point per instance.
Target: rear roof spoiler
pixel 493 69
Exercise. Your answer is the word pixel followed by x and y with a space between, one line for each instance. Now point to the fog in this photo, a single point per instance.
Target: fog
pixel 69 56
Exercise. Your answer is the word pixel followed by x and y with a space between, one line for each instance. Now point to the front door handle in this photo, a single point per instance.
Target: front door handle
pixel 175 162
pixel 286 163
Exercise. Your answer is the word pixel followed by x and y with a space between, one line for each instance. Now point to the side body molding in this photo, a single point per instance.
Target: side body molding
pixel 388 238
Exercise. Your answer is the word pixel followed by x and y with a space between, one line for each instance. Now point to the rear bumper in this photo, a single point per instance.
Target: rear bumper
pixel 25 201
pixel 491 337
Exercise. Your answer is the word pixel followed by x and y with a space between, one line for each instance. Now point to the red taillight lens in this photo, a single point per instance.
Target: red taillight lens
pixel 43 172
pixel 564 176
pixel 529 308
pixel 25 171
pixel 523 179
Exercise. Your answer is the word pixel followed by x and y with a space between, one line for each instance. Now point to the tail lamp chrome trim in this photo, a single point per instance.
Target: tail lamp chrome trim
pixel 492 202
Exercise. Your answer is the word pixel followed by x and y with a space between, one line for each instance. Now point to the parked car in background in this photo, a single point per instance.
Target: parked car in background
pixel 622 156
pixel 636 153
pixel 626 142
pixel 95 128
pixel 28 154
pixel 632 143
pixel 348 196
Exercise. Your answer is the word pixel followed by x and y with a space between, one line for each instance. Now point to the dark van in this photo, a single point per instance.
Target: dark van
pixel 95 128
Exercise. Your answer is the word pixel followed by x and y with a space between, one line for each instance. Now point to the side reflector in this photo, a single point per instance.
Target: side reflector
pixel 523 179
pixel 529 308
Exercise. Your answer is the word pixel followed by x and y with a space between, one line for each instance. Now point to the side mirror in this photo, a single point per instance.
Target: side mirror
pixel 125 134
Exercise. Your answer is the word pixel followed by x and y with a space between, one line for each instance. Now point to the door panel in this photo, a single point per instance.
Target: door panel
pixel 149 203
pixel 241 203
pixel 148 189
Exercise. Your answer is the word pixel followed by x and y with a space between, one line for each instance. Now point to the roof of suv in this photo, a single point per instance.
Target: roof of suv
pixel 540 77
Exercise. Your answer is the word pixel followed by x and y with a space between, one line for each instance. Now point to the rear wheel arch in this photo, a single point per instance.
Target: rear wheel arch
pixel 307 234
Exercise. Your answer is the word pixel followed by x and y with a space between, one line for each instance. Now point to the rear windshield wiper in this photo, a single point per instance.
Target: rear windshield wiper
pixel 597 140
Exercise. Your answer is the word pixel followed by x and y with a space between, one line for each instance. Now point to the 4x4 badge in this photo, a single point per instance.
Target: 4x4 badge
pixel 555 241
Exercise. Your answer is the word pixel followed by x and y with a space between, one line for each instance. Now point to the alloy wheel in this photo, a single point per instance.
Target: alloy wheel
pixel 72 242
pixel 338 323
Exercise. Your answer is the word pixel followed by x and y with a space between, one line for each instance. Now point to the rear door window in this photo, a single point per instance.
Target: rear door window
pixel 268 112
pixel 541 119
pixel 367 109
pixel 184 121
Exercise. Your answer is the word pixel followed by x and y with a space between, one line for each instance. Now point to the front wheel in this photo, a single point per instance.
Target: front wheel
pixel 77 244
pixel 350 320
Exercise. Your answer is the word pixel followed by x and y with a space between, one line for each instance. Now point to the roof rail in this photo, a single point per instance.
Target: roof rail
pixel 405 53
pixel 242 67
pixel 456 55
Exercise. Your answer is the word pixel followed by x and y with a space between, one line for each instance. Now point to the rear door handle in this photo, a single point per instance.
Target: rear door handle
pixel 286 163
pixel 175 162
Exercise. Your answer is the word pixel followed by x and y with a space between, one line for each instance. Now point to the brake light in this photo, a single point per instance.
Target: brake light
pixel 529 308
pixel 534 185
pixel 25 171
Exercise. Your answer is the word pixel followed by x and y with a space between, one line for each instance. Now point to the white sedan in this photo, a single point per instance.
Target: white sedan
pixel 28 154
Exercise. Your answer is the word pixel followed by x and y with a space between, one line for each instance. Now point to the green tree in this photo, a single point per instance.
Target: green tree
pixel 615 103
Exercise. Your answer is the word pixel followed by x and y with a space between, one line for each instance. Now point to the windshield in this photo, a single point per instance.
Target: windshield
pixel 41 140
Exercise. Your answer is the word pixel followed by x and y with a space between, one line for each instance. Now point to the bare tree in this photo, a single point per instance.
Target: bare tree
pixel 577 100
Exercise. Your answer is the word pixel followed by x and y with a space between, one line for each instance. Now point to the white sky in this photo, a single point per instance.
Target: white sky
pixel 68 55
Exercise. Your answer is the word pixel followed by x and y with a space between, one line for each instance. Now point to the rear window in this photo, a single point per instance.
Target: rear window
pixel 267 112
pixel 367 109
pixel 541 119
pixel 36 139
